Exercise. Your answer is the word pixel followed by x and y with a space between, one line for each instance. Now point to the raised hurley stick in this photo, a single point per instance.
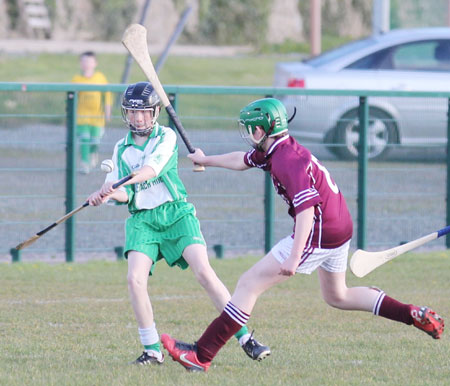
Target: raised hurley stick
pixel 363 262
pixel 135 41
pixel 31 240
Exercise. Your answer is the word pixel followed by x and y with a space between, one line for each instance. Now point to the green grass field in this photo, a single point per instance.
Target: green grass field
pixel 245 70
pixel 248 70
pixel 72 324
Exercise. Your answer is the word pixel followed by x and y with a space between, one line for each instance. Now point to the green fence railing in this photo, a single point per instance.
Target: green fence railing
pixel 211 94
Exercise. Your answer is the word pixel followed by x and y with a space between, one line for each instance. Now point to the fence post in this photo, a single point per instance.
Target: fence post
pixel 71 163
pixel 268 212
pixel 219 250
pixel 16 255
pixel 362 171
pixel 447 239
pixel 119 250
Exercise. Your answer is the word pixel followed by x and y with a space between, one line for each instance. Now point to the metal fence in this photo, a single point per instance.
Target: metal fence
pixel 392 201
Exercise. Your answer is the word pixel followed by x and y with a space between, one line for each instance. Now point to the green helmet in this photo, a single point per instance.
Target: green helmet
pixel 269 113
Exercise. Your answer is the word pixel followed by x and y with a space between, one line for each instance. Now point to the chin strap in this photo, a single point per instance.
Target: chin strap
pixel 293 115
pixel 258 146
pixel 141 133
pixel 266 135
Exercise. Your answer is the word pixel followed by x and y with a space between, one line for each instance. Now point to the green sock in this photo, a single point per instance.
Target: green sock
pixel 85 150
pixel 241 332
pixel 93 149
pixel 154 347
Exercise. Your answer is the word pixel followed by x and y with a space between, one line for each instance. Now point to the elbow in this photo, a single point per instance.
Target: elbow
pixel 145 173
pixel 239 168
pixel 244 167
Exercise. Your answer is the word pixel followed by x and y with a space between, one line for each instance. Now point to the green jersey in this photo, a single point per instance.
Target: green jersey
pixel 160 152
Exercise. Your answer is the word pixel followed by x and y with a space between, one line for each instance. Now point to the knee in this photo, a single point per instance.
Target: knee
pixel 335 299
pixel 136 282
pixel 245 282
pixel 205 276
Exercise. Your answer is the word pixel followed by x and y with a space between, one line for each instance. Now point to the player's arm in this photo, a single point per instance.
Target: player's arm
pixel 143 174
pixel 303 224
pixel 155 161
pixel 108 105
pixel 233 161
pixel 107 98
pixel 105 193
pixel 108 112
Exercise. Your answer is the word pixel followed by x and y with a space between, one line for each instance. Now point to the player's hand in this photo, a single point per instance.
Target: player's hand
pixel 96 199
pixel 289 267
pixel 107 189
pixel 102 195
pixel 198 157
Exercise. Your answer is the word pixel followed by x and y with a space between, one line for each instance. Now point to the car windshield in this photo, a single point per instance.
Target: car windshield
pixel 339 52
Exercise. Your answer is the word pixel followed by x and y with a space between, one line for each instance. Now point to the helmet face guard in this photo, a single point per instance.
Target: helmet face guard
pixel 247 132
pixel 140 97
pixel 269 114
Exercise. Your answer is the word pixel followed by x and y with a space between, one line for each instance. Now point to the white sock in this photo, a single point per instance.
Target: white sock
pixel 377 303
pixel 243 339
pixel 149 335
pixel 156 354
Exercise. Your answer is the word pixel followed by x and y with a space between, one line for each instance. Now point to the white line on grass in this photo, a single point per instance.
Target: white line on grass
pixel 94 300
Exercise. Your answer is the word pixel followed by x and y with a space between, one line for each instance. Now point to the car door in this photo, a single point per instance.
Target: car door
pixel 415 66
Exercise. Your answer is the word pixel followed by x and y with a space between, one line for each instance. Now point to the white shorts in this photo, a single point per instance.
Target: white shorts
pixel 331 260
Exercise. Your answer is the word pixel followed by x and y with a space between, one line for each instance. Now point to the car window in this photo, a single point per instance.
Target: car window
pixel 433 55
pixel 429 55
pixel 378 60
pixel 340 52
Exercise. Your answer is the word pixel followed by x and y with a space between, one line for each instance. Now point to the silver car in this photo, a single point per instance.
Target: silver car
pixel 402 60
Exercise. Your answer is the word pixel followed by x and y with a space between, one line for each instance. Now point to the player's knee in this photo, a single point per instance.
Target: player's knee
pixel 205 276
pixel 335 299
pixel 245 283
pixel 136 282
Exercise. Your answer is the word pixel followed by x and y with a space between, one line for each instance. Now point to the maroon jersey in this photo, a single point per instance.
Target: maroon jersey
pixel 303 182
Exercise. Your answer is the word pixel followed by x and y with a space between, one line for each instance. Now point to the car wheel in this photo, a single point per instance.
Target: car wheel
pixel 382 132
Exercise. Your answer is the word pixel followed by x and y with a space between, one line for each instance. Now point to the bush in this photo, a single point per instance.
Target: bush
pixel 113 16
pixel 233 21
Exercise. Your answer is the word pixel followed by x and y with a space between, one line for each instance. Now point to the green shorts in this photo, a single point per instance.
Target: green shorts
pixel 90 133
pixel 164 232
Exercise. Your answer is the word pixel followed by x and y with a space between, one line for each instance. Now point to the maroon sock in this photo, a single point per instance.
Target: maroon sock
pixel 215 337
pixel 394 310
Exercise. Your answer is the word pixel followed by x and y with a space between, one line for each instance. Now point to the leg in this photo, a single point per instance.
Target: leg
pixel 259 278
pixel 197 257
pixel 263 275
pixel 138 270
pixel 96 136
pixel 139 266
pixel 252 283
pixel 337 294
pixel 84 138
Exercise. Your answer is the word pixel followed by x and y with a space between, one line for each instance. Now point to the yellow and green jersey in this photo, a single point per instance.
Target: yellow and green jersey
pixel 91 103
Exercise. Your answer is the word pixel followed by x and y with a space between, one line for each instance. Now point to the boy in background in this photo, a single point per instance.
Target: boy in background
pixel 93 108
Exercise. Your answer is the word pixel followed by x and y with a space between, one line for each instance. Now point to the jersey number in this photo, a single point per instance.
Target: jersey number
pixel 324 170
